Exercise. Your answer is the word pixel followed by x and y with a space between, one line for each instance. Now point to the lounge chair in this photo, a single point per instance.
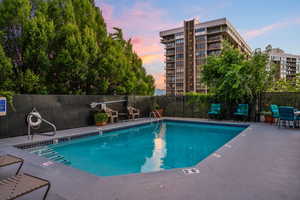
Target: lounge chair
pixel 7 160
pixel 275 112
pixel 133 112
pixel 215 109
pixel 287 115
pixel 112 114
pixel 242 110
pixel 21 184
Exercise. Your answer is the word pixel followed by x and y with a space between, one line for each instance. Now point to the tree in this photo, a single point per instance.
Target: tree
pixel 6 72
pixel 234 78
pixel 290 85
pixel 62 47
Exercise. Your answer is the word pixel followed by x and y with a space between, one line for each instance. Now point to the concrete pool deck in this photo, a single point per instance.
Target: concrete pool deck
pixel 263 162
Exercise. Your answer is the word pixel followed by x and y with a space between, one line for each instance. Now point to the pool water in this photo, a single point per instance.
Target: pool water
pixel 146 148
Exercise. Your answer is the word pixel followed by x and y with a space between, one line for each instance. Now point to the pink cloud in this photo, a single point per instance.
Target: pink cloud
pixel 141 22
pixel 160 80
pixel 263 30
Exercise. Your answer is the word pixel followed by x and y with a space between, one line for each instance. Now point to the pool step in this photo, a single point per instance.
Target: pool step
pixel 49 153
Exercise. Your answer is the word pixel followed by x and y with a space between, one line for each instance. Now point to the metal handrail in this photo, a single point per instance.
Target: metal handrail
pixel 95 104
pixel 30 136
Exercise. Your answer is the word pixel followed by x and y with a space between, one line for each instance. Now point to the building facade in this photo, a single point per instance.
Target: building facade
pixel 187 47
pixel 288 65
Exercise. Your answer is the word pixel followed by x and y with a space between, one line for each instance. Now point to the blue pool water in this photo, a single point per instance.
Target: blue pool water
pixel 146 148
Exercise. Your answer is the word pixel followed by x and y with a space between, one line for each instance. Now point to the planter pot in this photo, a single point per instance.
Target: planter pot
pixel 101 123
pixel 269 119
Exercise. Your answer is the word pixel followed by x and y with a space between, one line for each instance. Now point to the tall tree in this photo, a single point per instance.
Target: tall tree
pixel 233 77
pixel 62 47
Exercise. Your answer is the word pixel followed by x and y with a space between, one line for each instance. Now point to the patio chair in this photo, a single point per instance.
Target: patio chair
pixel 287 115
pixel 133 112
pixel 275 112
pixel 215 109
pixel 242 110
pixel 112 114
pixel 6 160
pixel 22 184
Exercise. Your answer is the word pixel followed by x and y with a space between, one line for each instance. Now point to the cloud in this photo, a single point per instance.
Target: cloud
pixel 160 80
pixel 250 34
pixel 152 58
pixel 142 22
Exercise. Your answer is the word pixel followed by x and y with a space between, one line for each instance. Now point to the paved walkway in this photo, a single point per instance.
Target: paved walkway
pixel 263 162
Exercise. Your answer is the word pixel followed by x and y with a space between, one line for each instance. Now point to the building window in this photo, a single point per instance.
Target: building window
pixel 198 30
pixel 179 41
pixel 218 52
pixel 179 34
pixel 170 45
pixel 179 63
pixel 179 56
pixel 200 38
pixel 213 29
pixel 200 53
pixel 214 46
pixel 180 48
pixel 200 45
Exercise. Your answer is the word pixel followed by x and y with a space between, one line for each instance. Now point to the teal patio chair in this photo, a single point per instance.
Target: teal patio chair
pixel 242 110
pixel 215 109
pixel 275 112
pixel 287 115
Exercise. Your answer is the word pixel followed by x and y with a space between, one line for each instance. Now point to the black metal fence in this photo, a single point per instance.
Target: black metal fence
pixel 65 111
pixel 73 111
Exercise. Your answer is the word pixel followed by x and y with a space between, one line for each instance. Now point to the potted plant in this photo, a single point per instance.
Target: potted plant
pixel 267 116
pixel 100 119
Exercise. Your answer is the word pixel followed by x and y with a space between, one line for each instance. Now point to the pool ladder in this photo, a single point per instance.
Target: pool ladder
pixel 154 116
pixel 36 114
pixel 49 153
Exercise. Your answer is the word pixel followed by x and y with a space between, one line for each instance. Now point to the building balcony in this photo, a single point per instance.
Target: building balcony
pixel 170 53
pixel 213 48
pixel 164 41
pixel 213 40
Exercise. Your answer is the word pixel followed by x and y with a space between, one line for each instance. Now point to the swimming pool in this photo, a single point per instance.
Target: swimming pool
pixel 145 148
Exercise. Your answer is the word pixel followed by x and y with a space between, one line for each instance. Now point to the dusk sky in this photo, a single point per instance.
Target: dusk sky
pixel 260 22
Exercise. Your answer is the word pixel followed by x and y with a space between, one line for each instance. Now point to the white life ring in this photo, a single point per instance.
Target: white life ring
pixel 36 115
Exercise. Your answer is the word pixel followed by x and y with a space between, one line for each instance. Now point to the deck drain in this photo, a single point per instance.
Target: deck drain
pixel 217 155
pixel 191 171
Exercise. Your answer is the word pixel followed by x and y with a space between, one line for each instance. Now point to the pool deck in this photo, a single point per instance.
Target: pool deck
pixel 261 163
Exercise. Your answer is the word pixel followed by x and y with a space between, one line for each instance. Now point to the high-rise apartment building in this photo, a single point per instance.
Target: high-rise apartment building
pixel 187 47
pixel 288 64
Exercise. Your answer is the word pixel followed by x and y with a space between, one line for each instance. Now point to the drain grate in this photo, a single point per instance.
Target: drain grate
pixel 191 171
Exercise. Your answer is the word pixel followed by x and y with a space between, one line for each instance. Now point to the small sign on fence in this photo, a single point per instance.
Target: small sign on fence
pixel 3 105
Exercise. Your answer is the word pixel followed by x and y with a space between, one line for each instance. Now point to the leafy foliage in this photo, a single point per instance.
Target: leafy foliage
pixel 62 47
pixel 281 85
pixel 233 77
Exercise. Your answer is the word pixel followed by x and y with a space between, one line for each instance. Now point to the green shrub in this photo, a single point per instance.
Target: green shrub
pixel 101 117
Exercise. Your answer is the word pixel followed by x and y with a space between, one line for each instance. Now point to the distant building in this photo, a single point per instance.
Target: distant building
pixel 288 64
pixel 187 47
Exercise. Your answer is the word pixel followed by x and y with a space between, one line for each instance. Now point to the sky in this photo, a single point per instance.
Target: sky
pixel 260 22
